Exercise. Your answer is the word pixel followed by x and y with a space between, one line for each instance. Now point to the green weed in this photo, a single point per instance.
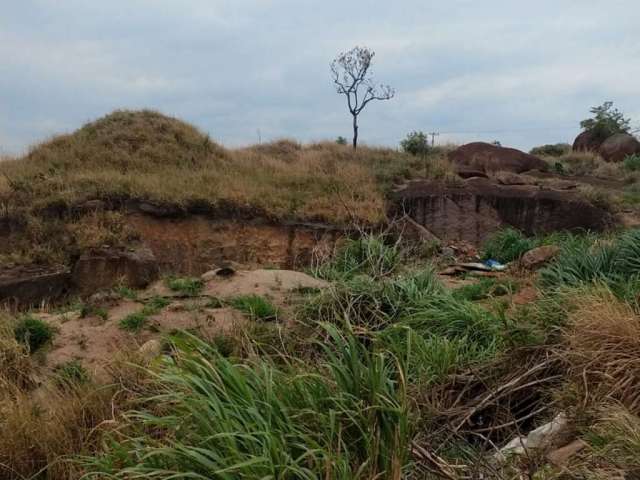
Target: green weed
pixel 507 245
pixel 257 307
pixel 33 332
pixel 189 287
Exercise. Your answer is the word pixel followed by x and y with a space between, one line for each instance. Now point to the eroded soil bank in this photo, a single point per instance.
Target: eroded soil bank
pixel 194 244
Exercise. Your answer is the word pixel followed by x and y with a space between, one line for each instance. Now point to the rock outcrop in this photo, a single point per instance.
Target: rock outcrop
pixel 487 158
pixel 105 267
pixel 617 147
pixel 473 211
pixel 26 285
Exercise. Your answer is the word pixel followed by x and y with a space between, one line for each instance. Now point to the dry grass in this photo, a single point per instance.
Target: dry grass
pixel 603 349
pixel 43 425
pixel 148 156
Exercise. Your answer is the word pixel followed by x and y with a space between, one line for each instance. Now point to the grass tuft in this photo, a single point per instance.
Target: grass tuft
pixel 507 245
pixel 256 307
pixel 33 332
pixel 189 287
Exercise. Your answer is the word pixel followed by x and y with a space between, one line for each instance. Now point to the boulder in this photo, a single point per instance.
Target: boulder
pixel 587 141
pixel 617 147
pixel 489 158
pixel 477 208
pixel 26 285
pixel 106 267
pixel 539 256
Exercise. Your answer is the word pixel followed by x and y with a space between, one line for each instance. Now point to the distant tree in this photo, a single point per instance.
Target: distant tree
pixel 415 143
pixel 496 143
pixel 353 79
pixel 341 140
pixel 606 121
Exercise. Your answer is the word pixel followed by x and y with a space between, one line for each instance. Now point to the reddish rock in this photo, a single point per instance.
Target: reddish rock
pixel 106 267
pixel 539 256
pixel 587 141
pixel 617 147
pixel 488 158
pixel 478 208
pixel 26 285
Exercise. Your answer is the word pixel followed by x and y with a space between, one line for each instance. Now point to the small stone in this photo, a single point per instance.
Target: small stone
pixel 561 456
pixel 539 256
pixel 150 349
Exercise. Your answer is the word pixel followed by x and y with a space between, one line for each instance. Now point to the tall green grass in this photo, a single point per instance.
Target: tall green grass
pixel 589 259
pixel 507 245
pixel 371 255
pixel 215 418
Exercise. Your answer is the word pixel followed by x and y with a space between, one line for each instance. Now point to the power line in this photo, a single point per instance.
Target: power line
pixel 433 136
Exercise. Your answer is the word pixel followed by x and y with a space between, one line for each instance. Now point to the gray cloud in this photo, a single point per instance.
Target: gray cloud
pixel 521 73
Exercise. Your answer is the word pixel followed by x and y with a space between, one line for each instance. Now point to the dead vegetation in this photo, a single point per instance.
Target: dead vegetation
pixel 148 156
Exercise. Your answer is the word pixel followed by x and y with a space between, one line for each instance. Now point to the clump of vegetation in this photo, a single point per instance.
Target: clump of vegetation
pixel 370 254
pixel 126 292
pixel 416 143
pixel 606 121
pixel 483 289
pixel 134 322
pixel 33 332
pixel 270 422
pixel 72 373
pixel 189 287
pixel 256 306
pixel 632 163
pixel 578 163
pixel 87 310
pixel 551 150
pixel 507 245
pixel 586 259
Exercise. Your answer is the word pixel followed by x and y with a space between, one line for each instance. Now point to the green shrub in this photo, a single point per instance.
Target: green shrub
pixel 606 121
pixel 632 163
pixel 507 245
pixel 551 150
pixel 33 332
pixel 415 143
pixel 126 292
pixel 134 322
pixel 368 255
pixel 189 287
pixel 257 307
pixel 154 305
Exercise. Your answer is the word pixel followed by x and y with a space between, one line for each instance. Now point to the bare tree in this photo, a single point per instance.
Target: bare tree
pixel 353 79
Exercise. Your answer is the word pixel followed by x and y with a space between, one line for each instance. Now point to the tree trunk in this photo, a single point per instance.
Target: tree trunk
pixel 355 132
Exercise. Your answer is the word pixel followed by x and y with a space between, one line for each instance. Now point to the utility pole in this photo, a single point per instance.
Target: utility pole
pixel 433 137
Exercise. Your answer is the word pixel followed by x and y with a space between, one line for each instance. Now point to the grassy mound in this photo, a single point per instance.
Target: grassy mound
pixel 144 155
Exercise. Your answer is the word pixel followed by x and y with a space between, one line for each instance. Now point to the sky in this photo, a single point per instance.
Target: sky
pixel 520 72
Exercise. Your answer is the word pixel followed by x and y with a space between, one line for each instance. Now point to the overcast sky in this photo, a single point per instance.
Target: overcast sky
pixel 521 72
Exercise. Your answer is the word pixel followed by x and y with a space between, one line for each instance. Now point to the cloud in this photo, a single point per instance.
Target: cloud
pixel 526 73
